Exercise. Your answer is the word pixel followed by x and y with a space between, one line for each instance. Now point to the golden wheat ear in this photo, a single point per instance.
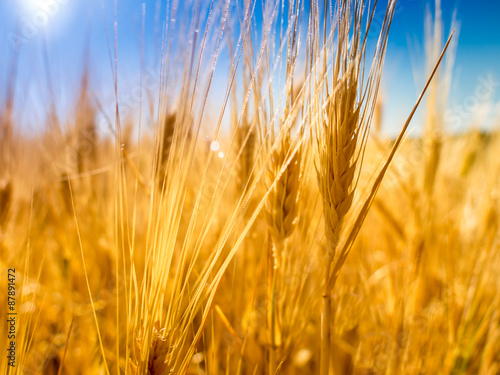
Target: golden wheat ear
pixel 165 147
pixel 283 182
pixel 246 144
pixel 337 163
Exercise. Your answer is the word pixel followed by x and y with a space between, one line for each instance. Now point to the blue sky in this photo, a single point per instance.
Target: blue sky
pixel 69 24
pixel 477 56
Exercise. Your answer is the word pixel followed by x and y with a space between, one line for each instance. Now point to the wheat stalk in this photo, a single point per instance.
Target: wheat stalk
pixel 283 180
pixel 336 176
pixel 341 136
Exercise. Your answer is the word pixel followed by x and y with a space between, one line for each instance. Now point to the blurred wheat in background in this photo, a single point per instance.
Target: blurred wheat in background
pixel 247 214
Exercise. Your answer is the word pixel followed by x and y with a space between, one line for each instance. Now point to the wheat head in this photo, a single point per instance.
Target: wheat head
pixel 337 161
pixel 283 180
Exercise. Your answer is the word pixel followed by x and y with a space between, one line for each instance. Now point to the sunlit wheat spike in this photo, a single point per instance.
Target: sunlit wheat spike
pixel 245 146
pixel 85 129
pixel 337 162
pixel 167 138
pixel 169 143
pixel 281 206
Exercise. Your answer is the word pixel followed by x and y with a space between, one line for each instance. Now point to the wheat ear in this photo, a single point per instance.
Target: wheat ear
pixel 245 144
pixel 283 179
pixel 337 167
pixel 283 184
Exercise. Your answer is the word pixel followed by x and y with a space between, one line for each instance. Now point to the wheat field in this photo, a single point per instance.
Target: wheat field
pixel 250 215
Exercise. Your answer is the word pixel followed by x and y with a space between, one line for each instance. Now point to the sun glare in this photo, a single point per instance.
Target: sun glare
pixel 49 7
pixel 41 16
pixel 32 5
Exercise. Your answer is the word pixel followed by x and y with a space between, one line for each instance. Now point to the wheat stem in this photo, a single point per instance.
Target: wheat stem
pixel 325 326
